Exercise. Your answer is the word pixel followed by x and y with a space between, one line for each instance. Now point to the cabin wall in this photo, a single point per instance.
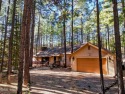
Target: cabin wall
pixel 111 65
pixel 68 64
pixel 51 60
pixel 68 60
pixel 73 64
pixel 85 52
pixel 91 52
pixel 57 58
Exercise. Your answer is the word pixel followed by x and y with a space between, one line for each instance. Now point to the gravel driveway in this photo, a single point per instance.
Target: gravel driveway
pixel 64 81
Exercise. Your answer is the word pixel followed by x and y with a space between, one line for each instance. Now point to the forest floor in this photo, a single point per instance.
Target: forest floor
pixel 61 81
pixel 11 88
pixel 64 81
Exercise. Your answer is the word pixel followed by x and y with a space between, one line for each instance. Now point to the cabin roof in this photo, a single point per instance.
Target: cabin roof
pixel 56 51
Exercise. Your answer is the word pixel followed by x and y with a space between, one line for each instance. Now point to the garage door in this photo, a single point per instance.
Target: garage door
pixel 90 65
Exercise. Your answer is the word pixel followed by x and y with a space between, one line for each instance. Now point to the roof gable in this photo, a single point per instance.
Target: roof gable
pixel 94 46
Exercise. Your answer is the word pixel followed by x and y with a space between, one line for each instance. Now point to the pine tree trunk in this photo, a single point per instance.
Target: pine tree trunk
pixel 3 53
pixel 118 48
pixel 27 39
pixel 41 38
pixel 64 34
pixel 35 43
pixel 108 37
pixel 21 50
pixel 77 37
pixel 0 4
pixel 4 44
pixel 62 37
pixel 88 37
pixel 11 43
pixel 32 34
pixel 100 47
pixel 81 31
pixel 72 27
pixel 1 39
pixel 38 35
pixel 123 7
pixel 51 35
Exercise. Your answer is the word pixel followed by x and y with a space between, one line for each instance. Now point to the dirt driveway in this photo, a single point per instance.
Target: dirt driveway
pixel 63 81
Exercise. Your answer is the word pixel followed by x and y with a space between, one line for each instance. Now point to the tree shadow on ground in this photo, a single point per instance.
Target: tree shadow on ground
pixel 63 84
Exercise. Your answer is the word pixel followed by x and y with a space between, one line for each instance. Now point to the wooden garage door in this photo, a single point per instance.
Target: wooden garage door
pixel 90 65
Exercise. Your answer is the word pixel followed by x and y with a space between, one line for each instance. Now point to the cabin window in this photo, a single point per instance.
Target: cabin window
pixel 88 47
